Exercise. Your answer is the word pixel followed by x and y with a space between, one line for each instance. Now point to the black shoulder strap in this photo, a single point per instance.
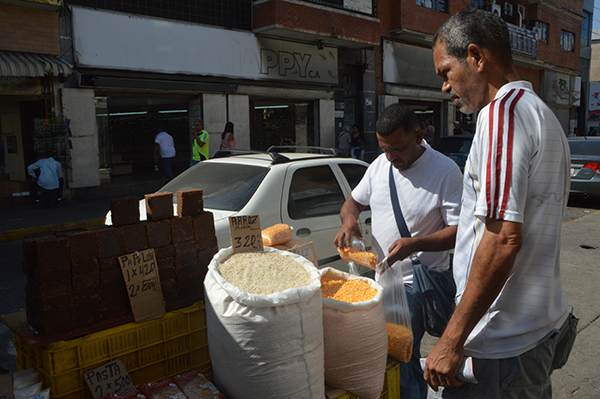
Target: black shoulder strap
pixel 396 206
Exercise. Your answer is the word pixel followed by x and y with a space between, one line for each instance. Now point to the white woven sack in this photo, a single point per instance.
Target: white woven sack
pixel 355 341
pixel 265 346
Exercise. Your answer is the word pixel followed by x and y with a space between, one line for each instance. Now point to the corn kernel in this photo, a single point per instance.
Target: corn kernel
pixel 361 257
pixel 346 290
pixel 400 342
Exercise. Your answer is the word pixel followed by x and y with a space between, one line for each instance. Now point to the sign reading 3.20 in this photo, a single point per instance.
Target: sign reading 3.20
pixel 245 233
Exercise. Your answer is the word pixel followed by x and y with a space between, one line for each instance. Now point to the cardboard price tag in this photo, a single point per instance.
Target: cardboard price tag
pixel 143 285
pixel 308 251
pixel 108 379
pixel 6 386
pixel 245 233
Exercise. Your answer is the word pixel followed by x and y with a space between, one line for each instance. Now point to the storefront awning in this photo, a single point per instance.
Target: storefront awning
pixel 19 64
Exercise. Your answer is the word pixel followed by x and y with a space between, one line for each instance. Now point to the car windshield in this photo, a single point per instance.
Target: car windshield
pixel 584 147
pixel 226 186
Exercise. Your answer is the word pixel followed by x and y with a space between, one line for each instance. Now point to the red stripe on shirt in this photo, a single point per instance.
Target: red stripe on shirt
pixel 488 182
pixel 509 151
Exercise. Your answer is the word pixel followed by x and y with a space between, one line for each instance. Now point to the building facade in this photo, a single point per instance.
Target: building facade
pixel 285 72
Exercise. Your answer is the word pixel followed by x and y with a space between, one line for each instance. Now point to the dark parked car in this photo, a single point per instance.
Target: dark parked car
pixel 456 148
pixel 585 166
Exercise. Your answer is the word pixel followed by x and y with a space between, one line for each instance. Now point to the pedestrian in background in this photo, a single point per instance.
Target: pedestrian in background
pixel 345 141
pixel 357 143
pixel 46 174
pixel 199 143
pixel 165 147
pixel 511 316
pixel 227 139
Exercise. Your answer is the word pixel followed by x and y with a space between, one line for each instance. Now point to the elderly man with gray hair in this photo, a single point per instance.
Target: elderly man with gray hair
pixel 199 143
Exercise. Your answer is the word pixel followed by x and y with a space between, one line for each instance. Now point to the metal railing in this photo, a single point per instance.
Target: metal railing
pixel 523 41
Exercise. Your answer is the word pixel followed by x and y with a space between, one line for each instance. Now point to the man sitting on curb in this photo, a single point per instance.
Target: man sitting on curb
pixel 46 174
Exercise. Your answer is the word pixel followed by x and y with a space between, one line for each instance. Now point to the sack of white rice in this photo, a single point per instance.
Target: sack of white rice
pixel 265 325
pixel 355 333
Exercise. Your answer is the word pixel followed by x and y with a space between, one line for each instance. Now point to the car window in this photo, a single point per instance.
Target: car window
pixel 454 145
pixel 314 192
pixel 584 147
pixel 353 173
pixel 225 186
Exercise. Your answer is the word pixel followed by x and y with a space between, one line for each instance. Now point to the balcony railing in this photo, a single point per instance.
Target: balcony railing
pixel 523 41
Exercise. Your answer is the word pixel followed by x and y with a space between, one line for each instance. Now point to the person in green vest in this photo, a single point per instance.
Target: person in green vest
pixel 199 143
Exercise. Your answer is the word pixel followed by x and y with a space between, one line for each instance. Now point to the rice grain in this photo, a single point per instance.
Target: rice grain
pixel 264 273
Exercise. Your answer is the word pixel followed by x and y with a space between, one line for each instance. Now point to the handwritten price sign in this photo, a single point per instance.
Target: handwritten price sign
pixel 245 233
pixel 108 379
pixel 143 285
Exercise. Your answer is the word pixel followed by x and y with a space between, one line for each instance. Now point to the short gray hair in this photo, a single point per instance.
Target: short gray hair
pixel 480 27
pixel 397 116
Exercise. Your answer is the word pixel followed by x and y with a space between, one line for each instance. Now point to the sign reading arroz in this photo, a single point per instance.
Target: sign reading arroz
pixel 295 61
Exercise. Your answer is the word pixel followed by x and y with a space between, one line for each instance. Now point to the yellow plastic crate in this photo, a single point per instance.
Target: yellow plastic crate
pixel 151 351
pixel 391 383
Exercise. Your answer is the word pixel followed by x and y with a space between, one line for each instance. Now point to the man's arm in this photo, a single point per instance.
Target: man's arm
pixel 197 138
pixel 491 267
pixel 441 240
pixel 349 215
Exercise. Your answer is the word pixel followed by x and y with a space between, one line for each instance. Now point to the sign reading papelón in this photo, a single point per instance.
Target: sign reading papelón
pixel 143 285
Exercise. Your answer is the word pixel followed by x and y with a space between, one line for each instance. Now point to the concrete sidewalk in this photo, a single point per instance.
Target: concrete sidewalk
pixel 18 221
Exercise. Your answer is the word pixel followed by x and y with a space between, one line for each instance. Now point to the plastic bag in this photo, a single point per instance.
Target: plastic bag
pixel 358 244
pixel 397 313
pixel 276 234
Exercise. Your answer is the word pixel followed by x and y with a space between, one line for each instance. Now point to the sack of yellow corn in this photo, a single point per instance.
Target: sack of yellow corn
pixel 276 234
pixel 400 342
pixel 355 337
pixel 361 257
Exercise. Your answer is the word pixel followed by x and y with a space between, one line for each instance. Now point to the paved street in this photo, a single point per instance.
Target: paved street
pixel 580 378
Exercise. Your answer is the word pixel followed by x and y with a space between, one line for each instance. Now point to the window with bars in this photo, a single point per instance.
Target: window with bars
pixel 235 14
pixel 567 41
pixel 542 29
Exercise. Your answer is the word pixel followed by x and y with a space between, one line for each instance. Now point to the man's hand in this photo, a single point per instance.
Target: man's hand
pixel 349 215
pixel 343 238
pixel 442 364
pixel 401 249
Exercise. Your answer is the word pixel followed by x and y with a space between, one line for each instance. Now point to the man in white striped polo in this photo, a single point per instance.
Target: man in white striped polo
pixel 511 315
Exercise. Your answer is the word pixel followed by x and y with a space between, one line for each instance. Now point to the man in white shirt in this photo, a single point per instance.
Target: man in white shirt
pixel 428 188
pixel 164 146
pixel 46 173
pixel 511 315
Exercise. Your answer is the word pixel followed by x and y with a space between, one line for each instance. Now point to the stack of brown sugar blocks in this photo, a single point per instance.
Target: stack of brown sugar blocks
pixel 74 277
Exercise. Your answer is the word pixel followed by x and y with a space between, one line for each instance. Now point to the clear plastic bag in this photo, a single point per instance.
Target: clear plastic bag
pixel 359 244
pixel 397 313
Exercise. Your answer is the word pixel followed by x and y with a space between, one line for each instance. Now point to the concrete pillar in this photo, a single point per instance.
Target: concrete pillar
pixel 215 116
pixel 239 114
pixel 327 123
pixel 79 106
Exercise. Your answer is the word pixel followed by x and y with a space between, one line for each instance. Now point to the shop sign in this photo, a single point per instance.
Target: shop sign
pixel 20 85
pixel 561 88
pixel 146 44
pixel 404 64
pixel 594 102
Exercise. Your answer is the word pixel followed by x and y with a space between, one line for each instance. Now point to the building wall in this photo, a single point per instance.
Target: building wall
pixel 532 75
pixel 317 20
pixel 558 21
pixel 28 29
pixel 10 118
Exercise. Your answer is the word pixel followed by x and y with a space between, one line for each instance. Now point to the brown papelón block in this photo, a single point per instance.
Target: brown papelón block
pixel 110 264
pixel 166 269
pixel 46 290
pixel 36 276
pixel 110 242
pixel 204 225
pixel 113 312
pixel 90 317
pixel 169 290
pixel 186 254
pixel 135 237
pixel 182 229
pixel 159 206
pixel 111 278
pixel 125 211
pixel 83 245
pixel 85 268
pixel 86 303
pixel 189 202
pixel 30 249
pixel 34 301
pixel 188 273
pixel 51 323
pixel 206 256
pixel 159 234
pixel 86 282
pixel 165 252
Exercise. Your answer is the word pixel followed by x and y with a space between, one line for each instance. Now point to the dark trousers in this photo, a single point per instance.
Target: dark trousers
pixel 34 187
pixel 167 169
